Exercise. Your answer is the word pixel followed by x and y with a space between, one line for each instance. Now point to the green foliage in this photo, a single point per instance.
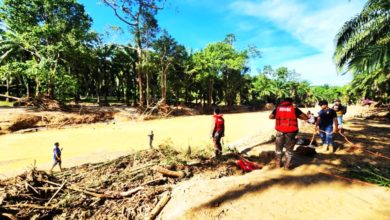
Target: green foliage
pixel 363 48
pixel 368 173
pixel 45 33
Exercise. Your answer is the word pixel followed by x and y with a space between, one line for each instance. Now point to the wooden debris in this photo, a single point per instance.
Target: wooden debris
pixel 160 205
pixel 170 173
pixel 54 195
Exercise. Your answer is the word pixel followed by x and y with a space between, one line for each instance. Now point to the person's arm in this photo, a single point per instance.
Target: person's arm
pixel 272 115
pixel 301 115
pixel 212 127
pixel 336 124
pixel 317 123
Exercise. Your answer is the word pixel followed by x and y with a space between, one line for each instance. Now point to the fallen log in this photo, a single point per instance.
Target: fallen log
pixel 160 205
pixel 10 97
pixel 170 173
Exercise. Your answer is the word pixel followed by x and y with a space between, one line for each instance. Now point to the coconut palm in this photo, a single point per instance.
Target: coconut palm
pixel 363 48
pixel 363 43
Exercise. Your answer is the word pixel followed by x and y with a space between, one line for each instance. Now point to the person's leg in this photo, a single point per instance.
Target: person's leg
pixel 54 164
pixel 329 136
pixel 279 143
pixel 290 143
pixel 59 164
pixel 340 123
pixel 217 144
pixel 323 135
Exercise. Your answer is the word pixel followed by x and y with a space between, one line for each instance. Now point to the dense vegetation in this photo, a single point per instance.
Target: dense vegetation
pixel 47 47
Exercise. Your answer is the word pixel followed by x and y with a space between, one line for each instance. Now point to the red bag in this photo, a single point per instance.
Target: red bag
pixel 246 165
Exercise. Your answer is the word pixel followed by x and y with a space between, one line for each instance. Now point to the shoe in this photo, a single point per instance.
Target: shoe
pixel 278 162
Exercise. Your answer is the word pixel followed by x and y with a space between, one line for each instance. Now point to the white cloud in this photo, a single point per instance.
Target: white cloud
pixel 318 69
pixel 316 28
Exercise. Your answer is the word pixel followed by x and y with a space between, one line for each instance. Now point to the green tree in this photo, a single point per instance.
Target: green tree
pixel 47 30
pixel 139 16
pixel 363 48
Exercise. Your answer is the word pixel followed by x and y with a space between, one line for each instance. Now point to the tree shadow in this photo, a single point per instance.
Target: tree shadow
pixel 347 163
pixel 334 174
pixel 301 181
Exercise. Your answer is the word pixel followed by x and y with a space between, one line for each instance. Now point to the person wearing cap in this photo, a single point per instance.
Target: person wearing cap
pixel 286 127
pixel 340 111
pixel 56 156
pixel 327 124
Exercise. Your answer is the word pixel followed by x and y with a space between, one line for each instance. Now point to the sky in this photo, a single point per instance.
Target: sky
pixel 298 34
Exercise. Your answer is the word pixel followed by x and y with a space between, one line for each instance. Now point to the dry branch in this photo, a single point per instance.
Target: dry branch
pixel 10 97
pixel 33 206
pixel 54 195
pixel 170 173
pixel 160 205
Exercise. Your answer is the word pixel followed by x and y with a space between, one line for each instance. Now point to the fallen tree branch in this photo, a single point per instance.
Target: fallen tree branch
pixel 160 205
pixel 33 206
pixel 10 216
pixel 155 181
pixel 118 195
pixel 170 173
pixel 10 97
pixel 62 186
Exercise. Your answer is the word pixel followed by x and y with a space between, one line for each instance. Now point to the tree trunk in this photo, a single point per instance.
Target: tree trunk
pixel 7 92
pixel 210 92
pixel 38 84
pixel 147 89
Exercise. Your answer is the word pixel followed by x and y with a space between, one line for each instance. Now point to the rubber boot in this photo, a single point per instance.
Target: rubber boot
pixel 288 163
pixel 278 161
pixel 218 154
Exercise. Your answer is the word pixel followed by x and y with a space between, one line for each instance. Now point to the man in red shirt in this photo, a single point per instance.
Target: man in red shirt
pixel 287 129
pixel 217 131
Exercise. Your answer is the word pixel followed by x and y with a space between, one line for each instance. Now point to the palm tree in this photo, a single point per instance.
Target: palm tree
pixel 363 48
pixel 363 43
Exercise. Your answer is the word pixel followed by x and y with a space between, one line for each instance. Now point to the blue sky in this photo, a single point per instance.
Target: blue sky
pixel 298 34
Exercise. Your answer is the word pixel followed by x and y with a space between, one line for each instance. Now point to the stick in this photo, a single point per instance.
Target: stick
pixel 155 181
pixel 28 185
pixel 10 97
pixel 117 195
pixel 160 205
pixel 33 206
pixel 74 188
pixel 130 192
pixel 10 216
pixel 52 183
pixel 170 173
pixel 55 193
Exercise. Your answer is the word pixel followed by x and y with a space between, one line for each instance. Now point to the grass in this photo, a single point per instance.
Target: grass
pixel 6 104
pixel 368 173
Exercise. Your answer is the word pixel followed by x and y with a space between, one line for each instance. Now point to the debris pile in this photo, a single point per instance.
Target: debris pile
pixel 42 102
pixel 136 186
pixel 23 122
